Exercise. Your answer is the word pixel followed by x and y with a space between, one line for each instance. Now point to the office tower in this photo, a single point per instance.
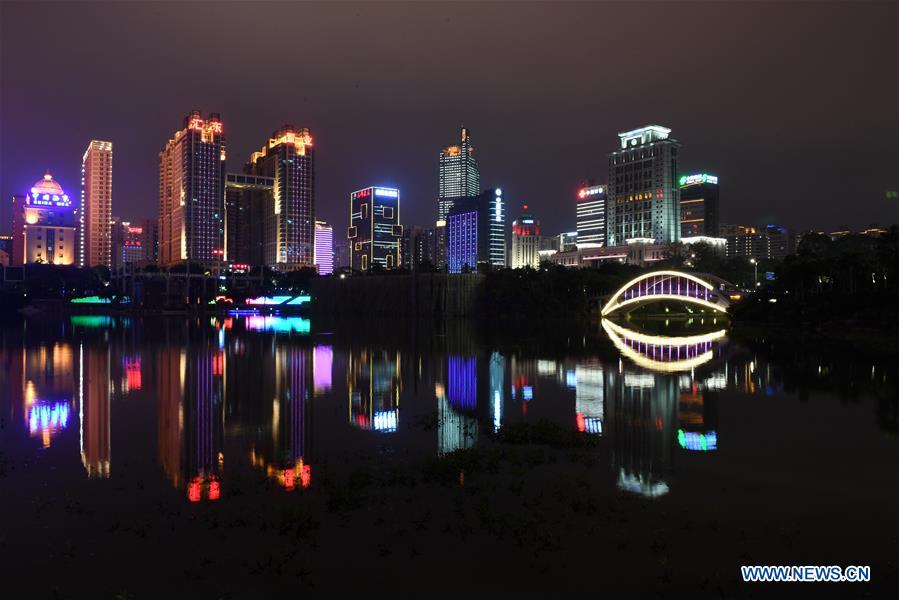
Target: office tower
pixel 698 205
pixel 127 245
pixel 440 245
pixel 525 241
pixel 289 159
pixel 150 240
pixel 342 254
pixel 476 232
pixel 375 229
pixel 591 216
pixel 43 225
pixel 780 242
pixel 192 193
pixel 249 214
pixel 743 240
pixel 643 196
pixel 459 176
pixel 324 248
pixel 95 215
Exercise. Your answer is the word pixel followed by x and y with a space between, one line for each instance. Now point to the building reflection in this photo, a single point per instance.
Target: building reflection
pixel 696 420
pixel 42 379
pixel 322 368
pixel 374 388
pixel 589 393
pixel 190 421
pixel 284 456
pixel 94 409
pixel 641 414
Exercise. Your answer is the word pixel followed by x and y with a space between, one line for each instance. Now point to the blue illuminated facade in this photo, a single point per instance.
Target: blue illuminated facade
pixel 476 232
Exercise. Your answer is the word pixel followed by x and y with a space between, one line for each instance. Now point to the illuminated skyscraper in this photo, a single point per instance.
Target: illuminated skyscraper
pixel 375 231
pixel 698 205
pixel 525 241
pixel 476 232
pixel 43 225
pixel 591 216
pixel 127 245
pixel 643 196
pixel 289 159
pixel 459 176
pixel 192 193
pixel 324 248
pixel 95 216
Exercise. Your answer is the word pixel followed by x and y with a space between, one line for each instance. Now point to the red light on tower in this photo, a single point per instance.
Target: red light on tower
pixel 582 194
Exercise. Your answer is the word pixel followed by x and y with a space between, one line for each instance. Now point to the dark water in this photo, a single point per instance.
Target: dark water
pixel 138 448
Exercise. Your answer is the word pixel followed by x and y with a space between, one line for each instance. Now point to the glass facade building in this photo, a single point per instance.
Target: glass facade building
pixel 476 232
pixel 643 192
pixel 591 216
pixel 698 205
pixel 249 215
pixel 459 176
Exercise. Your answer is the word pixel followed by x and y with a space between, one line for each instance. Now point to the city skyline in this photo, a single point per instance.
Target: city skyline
pixel 390 140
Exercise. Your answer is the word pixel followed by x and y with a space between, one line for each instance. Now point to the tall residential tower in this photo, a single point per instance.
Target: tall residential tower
pixel 95 215
pixel 289 159
pixel 192 193
pixel 643 194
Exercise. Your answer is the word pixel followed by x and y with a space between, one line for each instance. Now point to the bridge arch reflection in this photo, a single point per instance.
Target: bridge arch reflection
pixel 663 353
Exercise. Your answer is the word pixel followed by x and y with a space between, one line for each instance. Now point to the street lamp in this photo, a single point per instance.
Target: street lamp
pixel 755 265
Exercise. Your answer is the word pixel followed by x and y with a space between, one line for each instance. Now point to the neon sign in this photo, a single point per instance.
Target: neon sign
pixel 590 191
pixel 698 178
pixel 389 193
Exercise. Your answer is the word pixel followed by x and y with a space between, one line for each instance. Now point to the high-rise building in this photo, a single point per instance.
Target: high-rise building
pixel 192 193
pixel 459 176
pixel 476 232
pixel 743 240
pixel 324 248
pixel 698 205
pixel 375 231
pixel 525 241
pixel 249 214
pixel 643 196
pixel 127 245
pixel 43 225
pixel 289 159
pixel 150 241
pixel 95 215
pixel 591 216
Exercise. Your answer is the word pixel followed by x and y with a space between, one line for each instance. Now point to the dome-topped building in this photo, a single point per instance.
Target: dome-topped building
pixel 43 225
pixel 47 192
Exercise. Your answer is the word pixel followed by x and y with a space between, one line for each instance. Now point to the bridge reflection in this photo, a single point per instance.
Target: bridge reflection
pixel 663 353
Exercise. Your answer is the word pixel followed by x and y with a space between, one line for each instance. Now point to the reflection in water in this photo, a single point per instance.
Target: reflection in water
pixel 42 379
pixel 190 421
pixel 230 380
pixel 285 459
pixel 374 389
pixel 93 399
pixel 589 384
pixel 662 353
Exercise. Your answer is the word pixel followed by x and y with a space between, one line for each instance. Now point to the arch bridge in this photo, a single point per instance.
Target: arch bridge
pixel 699 289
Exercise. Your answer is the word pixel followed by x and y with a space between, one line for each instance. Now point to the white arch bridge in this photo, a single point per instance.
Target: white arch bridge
pixel 700 289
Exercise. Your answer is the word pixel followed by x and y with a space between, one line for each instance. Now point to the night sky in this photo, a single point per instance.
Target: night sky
pixel 795 106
